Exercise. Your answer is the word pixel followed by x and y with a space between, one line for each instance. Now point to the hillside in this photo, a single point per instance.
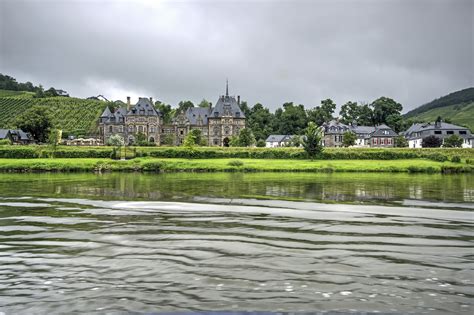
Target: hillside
pixel 456 107
pixel 73 115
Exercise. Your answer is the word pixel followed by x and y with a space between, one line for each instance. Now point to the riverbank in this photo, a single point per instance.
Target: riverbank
pixel 158 165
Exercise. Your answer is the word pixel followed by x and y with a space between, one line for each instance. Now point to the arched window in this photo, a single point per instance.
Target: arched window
pixel 216 130
pixel 152 140
pixel 226 130
pixel 111 129
pixel 140 129
pixel 130 128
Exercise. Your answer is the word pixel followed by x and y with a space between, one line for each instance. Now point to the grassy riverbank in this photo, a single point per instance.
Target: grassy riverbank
pixel 231 165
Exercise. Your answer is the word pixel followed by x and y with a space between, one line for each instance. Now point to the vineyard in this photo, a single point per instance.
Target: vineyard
pixel 16 94
pixel 72 115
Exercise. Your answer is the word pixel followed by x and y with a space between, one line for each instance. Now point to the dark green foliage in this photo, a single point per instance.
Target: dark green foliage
pixel 260 121
pixel 36 121
pixel 312 142
pixel 184 105
pixel 5 142
pixel 321 114
pixel 166 111
pixel 463 96
pixel 387 111
pixel 456 159
pixel 10 83
pixel 431 142
pixel 400 142
pixel 348 139
pixel 291 120
pixel 453 141
pixel 261 143
pixel 246 138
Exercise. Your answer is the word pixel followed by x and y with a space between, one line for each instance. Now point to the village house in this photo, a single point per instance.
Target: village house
pixel 380 136
pixel 274 141
pixel 440 129
pixel 217 124
pixel 16 136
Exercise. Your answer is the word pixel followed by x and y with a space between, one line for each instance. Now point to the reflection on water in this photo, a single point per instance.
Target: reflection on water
pixel 88 243
pixel 348 187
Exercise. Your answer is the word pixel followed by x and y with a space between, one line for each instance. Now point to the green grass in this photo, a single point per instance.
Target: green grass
pixel 68 113
pixel 226 165
pixel 460 114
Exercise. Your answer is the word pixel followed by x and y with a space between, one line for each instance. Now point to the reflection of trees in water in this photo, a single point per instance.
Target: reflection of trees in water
pixel 334 187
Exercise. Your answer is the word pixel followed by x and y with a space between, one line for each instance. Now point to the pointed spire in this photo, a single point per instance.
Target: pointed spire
pixel 226 87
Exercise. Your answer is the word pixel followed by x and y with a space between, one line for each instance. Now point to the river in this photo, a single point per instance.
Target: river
pixel 133 243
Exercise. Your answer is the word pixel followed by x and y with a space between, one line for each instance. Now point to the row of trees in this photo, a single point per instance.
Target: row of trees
pixel 10 83
pixel 293 119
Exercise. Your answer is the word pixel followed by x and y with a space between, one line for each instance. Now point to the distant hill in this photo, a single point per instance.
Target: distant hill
pixel 73 115
pixel 456 107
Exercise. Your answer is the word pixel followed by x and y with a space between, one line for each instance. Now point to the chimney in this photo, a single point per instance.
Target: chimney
pixel 151 100
pixel 128 103
pixel 238 99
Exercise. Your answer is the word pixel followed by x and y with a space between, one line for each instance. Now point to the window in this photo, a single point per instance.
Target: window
pixel 437 132
pixel 335 138
pixel 140 129
pixel 226 130
pixel 462 132
pixel 111 129
pixel 216 130
pixel 450 132
pixel 130 128
pixel 181 132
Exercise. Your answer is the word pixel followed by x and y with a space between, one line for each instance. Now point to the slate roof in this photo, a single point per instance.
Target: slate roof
pixel 106 113
pixel 4 133
pixel 20 133
pixel 276 138
pixel 193 114
pixel 143 108
pixel 384 131
pixel 227 103
pixel 335 126
pixel 418 127
pixel 363 129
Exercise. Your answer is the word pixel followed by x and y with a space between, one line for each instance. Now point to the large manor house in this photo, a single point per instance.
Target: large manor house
pixel 217 123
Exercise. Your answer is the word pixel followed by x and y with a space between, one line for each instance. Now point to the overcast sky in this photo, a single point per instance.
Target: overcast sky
pixel 271 51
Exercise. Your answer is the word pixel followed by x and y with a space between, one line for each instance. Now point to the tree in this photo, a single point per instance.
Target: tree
pixel 184 105
pixel 165 110
pixel 400 142
pixel 54 138
pixel 116 141
pixel 234 141
pixel 431 142
pixel 261 143
pixel 36 121
pixel 261 121
pixel 168 139
pixel 291 119
pixel 453 141
pixel 204 103
pixel 312 141
pixel 246 138
pixel 348 139
pixel 383 107
pixel 350 112
pixel 323 113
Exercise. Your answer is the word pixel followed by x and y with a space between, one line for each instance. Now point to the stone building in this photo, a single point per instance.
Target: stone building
pixel 333 133
pixel 217 124
pixel 141 118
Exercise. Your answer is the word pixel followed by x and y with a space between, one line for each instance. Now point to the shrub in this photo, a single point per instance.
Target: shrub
pixel 431 142
pixel 453 141
pixel 438 157
pixel 5 142
pixel 261 143
pixel 237 163
pixel 456 159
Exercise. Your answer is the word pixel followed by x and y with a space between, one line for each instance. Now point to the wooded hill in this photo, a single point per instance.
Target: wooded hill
pixel 456 107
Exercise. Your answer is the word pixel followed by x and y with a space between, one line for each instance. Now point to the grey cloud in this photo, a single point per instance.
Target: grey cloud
pixel 272 51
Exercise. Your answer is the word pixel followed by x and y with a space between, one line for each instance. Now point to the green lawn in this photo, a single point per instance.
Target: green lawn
pixel 229 165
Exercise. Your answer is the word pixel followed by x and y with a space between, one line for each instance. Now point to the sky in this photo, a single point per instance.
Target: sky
pixel 270 51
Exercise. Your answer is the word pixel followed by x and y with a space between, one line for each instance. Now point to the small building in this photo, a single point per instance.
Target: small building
pixel 62 92
pixel 363 134
pixel 84 142
pixel 275 141
pixel 440 129
pixel 333 133
pixel 383 137
pixel 16 136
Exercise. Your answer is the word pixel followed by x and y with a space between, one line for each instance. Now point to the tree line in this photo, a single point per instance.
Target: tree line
pixel 9 83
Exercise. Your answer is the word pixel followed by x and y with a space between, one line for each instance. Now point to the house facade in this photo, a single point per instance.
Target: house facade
pixel 440 129
pixel 217 124
pixel 275 141
pixel 16 136
pixel 380 136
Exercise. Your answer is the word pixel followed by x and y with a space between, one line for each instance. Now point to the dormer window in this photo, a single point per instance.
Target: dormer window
pixel 237 114
pixel 216 114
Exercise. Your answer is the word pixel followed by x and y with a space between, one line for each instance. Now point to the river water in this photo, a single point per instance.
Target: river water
pixel 133 243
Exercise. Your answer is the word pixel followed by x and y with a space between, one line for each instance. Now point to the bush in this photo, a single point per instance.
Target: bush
pixel 431 142
pixel 456 159
pixel 5 142
pixel 438 157
pixel 261 143
pixel 237 163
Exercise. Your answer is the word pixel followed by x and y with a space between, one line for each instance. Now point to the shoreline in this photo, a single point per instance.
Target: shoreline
pixel 175 165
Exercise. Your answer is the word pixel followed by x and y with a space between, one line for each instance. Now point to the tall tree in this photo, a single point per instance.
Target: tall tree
pixel 384 107
pixel 246 138
pixel 261 121
pixel 291 119
pixel 36 121
pixel 204 103
pixel 184 105
pixel 323 113
pixel 312 140
pixel 165 110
